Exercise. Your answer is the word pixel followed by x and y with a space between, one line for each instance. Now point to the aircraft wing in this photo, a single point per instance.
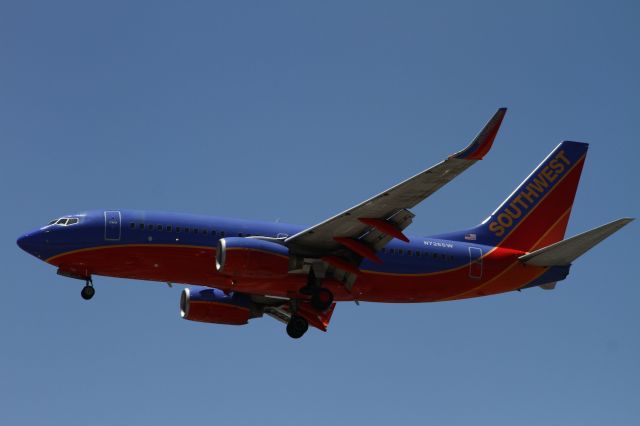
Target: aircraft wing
pixel 358 232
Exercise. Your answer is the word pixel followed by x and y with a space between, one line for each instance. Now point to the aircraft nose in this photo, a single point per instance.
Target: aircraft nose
pixel 32 242
pixel 25 242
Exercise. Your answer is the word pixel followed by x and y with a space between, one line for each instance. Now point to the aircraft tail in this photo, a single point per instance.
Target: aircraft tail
pixel 536 214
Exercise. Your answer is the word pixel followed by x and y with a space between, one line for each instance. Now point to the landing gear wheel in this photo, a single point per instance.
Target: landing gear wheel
pixel 297 326
pixel 322 299
pixel 87 292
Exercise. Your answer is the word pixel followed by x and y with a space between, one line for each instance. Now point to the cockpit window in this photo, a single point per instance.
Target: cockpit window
pixel 64 221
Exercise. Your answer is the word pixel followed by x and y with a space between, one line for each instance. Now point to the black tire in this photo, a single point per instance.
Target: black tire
pixel 87 292
pixel 322 299
pixel 297 326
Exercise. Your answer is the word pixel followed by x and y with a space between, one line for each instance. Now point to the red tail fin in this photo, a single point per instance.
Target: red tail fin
pixel 537 212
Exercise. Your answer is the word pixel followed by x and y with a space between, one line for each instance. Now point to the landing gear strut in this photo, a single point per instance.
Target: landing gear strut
pixel 321 298
pixel 312 284
pixel 88 291
pixel 297 326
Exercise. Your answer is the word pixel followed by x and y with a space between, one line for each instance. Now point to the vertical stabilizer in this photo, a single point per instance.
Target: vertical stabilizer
pixel 536 214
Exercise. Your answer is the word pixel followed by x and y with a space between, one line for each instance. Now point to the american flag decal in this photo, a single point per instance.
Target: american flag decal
pixel 470 237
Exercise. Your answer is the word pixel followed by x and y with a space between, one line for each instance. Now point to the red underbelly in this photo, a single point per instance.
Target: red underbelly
pixel 196 265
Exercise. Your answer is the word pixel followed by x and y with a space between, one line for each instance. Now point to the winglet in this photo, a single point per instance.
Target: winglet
pixel 481 144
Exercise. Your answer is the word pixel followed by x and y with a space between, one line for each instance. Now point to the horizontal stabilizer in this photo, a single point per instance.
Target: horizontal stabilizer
pixel 564 252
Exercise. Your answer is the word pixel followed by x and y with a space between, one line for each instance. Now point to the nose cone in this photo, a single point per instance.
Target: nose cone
pixel 23 242
pixel 31 243
pixel 26 242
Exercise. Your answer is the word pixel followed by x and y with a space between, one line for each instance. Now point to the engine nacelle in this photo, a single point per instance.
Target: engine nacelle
pixel 215 306
pixel 250 257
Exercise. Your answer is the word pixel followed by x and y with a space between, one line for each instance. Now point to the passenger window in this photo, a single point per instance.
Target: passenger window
pixel 400 252
pixel 159 228
pixel 417 253
pixel 222 233
pixel 392 251
pixel 168 228
pixel 132 225
pixel 195 230
pixel 186 229
pixel 204 231
pixel 409 253
pixel 177 229
pixel 141 226
pixel 435 255
pixel 150 227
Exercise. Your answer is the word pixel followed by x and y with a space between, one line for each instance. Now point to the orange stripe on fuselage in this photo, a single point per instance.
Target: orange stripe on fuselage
pixel 518 274
pixel 501 287
pixel 432 287
pixel 116 246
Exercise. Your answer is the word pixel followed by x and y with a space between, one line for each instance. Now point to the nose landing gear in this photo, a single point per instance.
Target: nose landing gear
pixel 88 291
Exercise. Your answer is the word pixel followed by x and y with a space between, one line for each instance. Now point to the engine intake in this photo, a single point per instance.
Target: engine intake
pixel 251 257
pixel 215 306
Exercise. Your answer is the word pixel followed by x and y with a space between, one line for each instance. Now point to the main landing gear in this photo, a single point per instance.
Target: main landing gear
pixel 88 291
pixel 321 298
pixel 297 326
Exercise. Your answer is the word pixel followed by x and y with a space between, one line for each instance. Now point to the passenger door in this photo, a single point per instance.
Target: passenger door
pixel 112 225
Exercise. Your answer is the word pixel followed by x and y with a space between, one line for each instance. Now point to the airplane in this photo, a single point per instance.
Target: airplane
pixel 296 274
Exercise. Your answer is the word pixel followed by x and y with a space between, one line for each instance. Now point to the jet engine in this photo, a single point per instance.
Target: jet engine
pixel 251 258
pixel 211 305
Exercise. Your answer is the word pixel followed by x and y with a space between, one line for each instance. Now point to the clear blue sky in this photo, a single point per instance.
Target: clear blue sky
pixel 295 111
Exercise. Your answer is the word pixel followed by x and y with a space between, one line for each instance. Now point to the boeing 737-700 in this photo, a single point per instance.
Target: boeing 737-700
pixel 296 274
